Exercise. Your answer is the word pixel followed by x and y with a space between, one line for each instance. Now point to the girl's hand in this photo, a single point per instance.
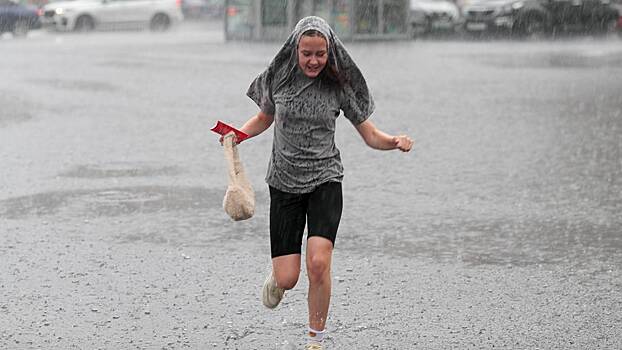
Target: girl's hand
pixel 235 140
pixel 403 143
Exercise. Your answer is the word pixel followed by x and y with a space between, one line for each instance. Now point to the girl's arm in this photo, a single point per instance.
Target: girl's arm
pixel 257 124
pixel 377 139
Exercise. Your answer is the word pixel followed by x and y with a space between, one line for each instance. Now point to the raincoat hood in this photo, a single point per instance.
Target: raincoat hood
pixel 284 66
pixel 312 23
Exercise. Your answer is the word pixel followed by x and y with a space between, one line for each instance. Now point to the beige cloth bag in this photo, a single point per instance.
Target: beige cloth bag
pixel 239 201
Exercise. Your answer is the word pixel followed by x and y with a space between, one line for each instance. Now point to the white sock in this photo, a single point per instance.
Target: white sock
pixel 316 336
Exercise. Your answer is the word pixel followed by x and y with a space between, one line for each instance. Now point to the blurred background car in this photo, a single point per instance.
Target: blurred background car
pixel 88 15
pixel 433 16
pixel 536 18
pixel 17 18
pixel 202 8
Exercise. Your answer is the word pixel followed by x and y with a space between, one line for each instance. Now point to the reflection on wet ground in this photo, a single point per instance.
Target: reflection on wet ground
pixel 111 202
pixel 559 60
pixel 127 64
pixel 14 109
pixel 517 161
pixel 512 166
pixel 120 169
pixel 194 217
pixel 498 242
pixel 80 85
pixel 191 216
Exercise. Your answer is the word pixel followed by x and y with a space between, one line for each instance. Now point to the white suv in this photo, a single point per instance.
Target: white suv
pixel 87 15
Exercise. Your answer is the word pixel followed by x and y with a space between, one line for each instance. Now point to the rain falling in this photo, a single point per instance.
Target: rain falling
pixel 502 227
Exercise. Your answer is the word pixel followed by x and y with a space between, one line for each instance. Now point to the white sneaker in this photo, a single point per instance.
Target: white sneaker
pixel 314 346
pixel 271 295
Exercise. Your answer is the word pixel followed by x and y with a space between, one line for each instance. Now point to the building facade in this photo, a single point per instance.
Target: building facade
pixel 351 19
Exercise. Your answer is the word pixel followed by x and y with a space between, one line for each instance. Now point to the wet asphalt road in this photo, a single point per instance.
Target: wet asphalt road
pixel 503 229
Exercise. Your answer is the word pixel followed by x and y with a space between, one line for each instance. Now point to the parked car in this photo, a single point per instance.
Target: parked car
pixel 18 19
pixel 202 8
pixel 433 16
pixel 88 15
pixel 534 18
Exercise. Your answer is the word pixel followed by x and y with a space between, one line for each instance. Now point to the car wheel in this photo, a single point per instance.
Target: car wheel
pixel 160 23
pixel 21 28
pixel 84 24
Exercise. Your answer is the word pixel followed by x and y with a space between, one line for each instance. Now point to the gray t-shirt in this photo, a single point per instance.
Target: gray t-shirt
pixel 305 111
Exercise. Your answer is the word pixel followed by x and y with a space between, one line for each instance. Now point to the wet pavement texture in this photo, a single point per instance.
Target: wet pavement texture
pixel 502 229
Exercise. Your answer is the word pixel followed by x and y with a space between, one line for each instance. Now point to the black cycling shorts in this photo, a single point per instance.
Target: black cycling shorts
pixel 320 209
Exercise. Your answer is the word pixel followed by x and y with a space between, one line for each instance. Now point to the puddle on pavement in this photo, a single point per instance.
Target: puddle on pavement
pixel 82 85
pixel 14 109
pixel 120 169
pixel 584 60
pixel 498 242
pixel 124 64
pixel 112 202
pixel 562 60
pixel 190 216
pixel 201 229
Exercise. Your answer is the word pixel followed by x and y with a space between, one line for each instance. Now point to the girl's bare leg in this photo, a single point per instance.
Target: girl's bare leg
pixel 318 261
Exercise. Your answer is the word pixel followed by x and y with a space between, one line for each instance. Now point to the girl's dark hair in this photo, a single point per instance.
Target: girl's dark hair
pixel 329 74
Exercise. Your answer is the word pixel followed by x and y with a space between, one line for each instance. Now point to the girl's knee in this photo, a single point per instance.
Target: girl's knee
pixel 286 281
pixel 286 270
pixel 318 267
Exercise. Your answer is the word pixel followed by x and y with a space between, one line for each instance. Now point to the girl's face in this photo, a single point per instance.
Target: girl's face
pixel 312 55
